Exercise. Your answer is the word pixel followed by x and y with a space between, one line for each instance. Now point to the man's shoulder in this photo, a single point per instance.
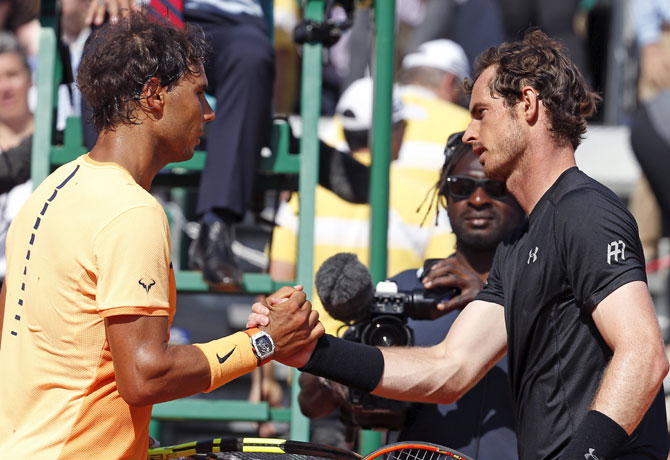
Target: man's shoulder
pixel 102 189
pixel 578 197
pixel 574 187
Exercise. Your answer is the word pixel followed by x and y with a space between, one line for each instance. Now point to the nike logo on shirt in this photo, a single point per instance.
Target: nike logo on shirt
pixel 222 359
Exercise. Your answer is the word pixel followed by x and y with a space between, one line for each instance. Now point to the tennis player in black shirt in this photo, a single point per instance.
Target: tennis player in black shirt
pixel 566 297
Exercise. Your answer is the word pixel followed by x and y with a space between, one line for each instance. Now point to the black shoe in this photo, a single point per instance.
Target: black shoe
pixel 212 253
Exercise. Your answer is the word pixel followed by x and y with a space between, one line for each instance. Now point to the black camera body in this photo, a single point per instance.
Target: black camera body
pixel 386 325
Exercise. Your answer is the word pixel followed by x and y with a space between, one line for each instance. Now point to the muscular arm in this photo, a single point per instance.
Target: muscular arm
pixel 627 322
pixel 438 374
pixel 147 369
pixel 444 372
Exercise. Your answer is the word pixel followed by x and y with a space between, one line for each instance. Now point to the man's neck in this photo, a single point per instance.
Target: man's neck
pixel 538 169
pixel 132 148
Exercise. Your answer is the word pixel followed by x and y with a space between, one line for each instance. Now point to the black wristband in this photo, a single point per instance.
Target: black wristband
pixel 333 359
pixel 598 436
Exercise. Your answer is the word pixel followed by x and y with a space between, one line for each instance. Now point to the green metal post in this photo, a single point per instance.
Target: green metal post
pixel 310 110
pixel 381 158
pixel 381 135
pixel 48 75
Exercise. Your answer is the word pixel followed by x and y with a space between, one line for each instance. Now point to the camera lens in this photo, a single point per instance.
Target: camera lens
pixel 387 331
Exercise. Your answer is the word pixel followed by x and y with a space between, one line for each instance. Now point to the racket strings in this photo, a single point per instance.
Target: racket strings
pixel 420 454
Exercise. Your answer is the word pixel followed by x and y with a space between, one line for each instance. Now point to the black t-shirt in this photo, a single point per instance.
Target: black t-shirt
pixel 580 244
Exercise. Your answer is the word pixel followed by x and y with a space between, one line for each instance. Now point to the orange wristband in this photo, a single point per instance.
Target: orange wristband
pixel 229 357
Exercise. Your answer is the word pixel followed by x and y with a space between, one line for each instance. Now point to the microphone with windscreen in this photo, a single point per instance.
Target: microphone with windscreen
pixel 345 287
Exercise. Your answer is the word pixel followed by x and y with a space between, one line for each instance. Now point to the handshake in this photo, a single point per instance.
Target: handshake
pixel 287 316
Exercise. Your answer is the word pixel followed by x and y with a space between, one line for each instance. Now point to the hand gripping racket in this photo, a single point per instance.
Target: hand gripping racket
pixel 251 449
pixel 409 450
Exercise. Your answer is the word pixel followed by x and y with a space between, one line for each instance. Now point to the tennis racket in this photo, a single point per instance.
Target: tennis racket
pixel 410 450
pixel 251 449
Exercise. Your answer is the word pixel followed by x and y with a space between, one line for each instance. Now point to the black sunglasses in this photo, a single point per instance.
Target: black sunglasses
pixel 462 187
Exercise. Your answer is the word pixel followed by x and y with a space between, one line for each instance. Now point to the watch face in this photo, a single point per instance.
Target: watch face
pixel 264 345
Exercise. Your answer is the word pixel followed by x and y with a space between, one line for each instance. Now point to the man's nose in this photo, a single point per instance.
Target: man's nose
pixel 209 114
pixel 479 197
pixel 469 136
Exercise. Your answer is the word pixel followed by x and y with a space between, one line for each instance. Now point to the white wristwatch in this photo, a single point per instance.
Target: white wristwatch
pixel 261 344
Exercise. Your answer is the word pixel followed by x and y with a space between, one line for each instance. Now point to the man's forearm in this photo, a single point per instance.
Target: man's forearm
pixel 626 391
pixel 423 375
pixel 627 322
pixel 630 384
pixel 408 374
pixel 476 341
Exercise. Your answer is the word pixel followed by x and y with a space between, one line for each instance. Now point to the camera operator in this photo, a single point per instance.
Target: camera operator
pixel 481 213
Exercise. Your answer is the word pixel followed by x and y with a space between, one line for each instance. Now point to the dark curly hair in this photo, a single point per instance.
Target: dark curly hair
pixel 542 63
pixel 123 57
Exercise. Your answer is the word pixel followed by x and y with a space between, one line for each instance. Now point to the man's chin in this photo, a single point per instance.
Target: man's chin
pixel 187 155
pixel 480 239
pixel 493 172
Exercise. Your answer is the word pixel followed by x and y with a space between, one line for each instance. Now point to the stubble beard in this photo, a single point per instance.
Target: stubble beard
pixel 509 151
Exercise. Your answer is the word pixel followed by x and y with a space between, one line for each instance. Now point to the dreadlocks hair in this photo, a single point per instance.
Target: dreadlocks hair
pixel 453 152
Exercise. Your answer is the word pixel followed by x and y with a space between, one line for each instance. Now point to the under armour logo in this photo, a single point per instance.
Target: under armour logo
pixel 146 286
pixel 532 255
pixel 591 455
pixel 614 249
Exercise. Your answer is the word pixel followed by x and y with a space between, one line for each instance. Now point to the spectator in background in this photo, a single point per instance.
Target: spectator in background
pixel 21 18
pixel 556 19
pixel 473 24
pixel 431 88
pixel 16 129
pixel 241 77
pixel 650 132
pixel 431 81
pixel 74 33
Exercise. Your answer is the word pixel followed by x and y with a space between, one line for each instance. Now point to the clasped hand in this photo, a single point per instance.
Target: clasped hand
pixel 288 317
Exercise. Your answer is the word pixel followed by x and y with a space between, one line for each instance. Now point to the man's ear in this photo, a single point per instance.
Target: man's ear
pixel 530 102
pixel 153 96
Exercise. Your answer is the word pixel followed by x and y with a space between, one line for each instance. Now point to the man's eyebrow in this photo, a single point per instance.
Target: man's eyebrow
pixel 476 107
